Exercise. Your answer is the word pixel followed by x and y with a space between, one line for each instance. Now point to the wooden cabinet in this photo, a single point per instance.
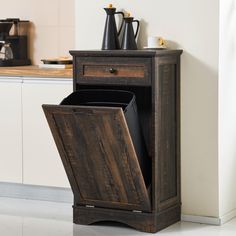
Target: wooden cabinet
pixel 11 130
pixel 97 149
pixel 41 161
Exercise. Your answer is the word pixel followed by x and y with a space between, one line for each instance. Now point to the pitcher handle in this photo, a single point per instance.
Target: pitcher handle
pixel 136 33
pixel 123 16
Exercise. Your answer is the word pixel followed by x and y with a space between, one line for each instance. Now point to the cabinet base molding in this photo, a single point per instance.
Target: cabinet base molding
pixel 145 222
pixel 33 192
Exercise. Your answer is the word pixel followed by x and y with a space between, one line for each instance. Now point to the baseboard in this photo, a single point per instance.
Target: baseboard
pixel 228 216
pixel 201 219
pixel 33 192
pixel 210 220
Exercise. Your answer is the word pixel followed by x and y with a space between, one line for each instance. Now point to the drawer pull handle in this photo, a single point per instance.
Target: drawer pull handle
pixel 112 70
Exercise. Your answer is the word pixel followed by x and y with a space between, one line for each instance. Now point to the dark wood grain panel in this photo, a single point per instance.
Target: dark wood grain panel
pixel 146 222
pixel 113 70
pixel 167 135
pixel 96 70
pixel 100 151
pixel 126 53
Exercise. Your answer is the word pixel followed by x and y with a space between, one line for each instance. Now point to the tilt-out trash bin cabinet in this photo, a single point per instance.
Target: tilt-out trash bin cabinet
pixel 97 149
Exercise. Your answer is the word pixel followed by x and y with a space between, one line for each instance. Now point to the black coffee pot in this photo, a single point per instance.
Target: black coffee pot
pixel 110 36
pixel 128 40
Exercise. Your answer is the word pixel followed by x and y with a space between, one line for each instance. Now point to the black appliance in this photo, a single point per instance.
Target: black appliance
pixel 17 41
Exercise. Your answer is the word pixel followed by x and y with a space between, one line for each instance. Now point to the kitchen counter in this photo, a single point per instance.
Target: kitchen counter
pixel 35 71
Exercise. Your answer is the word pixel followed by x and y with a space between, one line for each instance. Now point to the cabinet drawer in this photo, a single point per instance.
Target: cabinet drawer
pixel 113 70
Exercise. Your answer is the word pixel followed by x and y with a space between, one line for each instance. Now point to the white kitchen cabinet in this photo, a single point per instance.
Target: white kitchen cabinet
pixel 41 162
pixel 10 130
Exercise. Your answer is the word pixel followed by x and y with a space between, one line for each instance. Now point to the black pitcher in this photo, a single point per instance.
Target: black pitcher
pixel 128 40
pixel 110 37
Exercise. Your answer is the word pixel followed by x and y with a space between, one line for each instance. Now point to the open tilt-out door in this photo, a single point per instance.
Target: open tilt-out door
pixel 98 155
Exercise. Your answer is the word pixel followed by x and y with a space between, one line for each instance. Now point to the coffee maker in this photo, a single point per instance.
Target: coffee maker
pixel 13 42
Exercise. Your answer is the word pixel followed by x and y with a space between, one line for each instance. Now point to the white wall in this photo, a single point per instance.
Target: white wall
pixel 227 107
pixel 51 32
pixel 192 26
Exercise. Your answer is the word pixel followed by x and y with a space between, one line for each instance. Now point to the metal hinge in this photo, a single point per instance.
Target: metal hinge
pixel 136 211
pixel 90 206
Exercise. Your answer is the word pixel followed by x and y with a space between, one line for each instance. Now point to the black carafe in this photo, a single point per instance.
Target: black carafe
pixel 110 36
pixel 129 37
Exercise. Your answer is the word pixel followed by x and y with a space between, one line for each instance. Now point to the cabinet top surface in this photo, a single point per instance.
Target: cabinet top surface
pixel 35 71
pixel 126 53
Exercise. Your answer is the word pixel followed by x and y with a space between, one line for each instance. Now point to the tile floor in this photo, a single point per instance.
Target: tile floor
pixel 19 217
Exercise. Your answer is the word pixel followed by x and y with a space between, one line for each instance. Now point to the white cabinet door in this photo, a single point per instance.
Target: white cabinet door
pixel 41 162
pixel 10 130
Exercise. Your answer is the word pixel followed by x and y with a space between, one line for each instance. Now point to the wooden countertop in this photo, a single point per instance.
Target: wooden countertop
pixel 35 71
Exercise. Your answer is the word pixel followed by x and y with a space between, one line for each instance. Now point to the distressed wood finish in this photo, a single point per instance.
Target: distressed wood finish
pixel 146 222
pixel 167 126
pixel 98 70
pixel 99 150
pixel 156 85
pixel 166 133
pixel 112 70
